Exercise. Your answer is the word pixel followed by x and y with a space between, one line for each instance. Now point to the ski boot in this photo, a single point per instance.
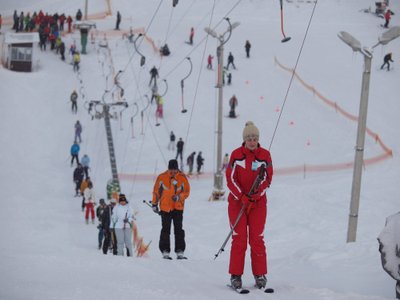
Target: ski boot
pixel 236 281
pixel 261 281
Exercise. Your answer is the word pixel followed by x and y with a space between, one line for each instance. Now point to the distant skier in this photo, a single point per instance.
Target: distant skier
pixel 78 131
pixel 101 210
pixel 230 61
pixel 109 234
pixel 160 107
pixel 84 185
pixel 69 22
pixel 191 36
pixel 62 51
pixel 85 161
pixel 229 78
pixel 78 178
pixel 90 202
pixel 179 149
pixel 74 153
pixel 169 201
pixel 118 20
pixel 122 218
pixel 233 102
pixel 247 47
pixel 200 162
pixel 190 162
pixel 171 145
pixel 78 15
pixel 74 101
pixel 153 75
pixel 76 59
pixel 164 50
pixel 386 61
pixel 388 16
pixel 209 61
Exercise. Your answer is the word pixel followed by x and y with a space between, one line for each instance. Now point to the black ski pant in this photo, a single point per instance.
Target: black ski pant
pixel 175 216
pixel 384 64
pixel 74 157
pixel 109 239
pixel 74 107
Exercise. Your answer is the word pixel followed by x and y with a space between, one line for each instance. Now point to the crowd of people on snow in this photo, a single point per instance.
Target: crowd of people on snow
pixel 248 164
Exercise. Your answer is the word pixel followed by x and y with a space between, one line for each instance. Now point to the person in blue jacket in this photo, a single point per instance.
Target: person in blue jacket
pixel 74 153
pixel 85 161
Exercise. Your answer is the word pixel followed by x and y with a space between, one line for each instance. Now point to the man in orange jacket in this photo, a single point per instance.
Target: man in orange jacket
pixel 169 194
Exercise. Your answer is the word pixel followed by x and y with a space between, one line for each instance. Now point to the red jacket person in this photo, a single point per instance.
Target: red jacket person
pixel 244 166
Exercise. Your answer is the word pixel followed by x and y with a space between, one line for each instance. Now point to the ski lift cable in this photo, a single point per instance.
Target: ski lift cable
pixel 198 78
pixel 169 24
pixel 183 16
pixel 293 74
pixel 146 30
pixel 202 40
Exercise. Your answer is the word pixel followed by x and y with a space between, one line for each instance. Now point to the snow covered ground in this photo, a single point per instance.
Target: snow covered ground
pixel 48 252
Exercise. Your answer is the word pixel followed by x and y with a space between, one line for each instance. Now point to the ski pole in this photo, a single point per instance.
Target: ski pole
pixel 231 232
pixel 149 205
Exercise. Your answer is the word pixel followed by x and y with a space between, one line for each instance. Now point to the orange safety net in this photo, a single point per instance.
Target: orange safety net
pixel 387 152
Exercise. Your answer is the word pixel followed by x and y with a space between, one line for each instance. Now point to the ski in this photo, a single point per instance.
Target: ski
pixel 269 291
pixel 239 290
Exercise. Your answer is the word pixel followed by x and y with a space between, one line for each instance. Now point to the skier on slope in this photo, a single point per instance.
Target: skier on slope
pixel 191 36
pixel 170 191
pixel 388 16
pixel 209 61
pixel 244 165
pixel 74 100
pixel 190 162
pixel 179 149
pixel 230 61
pixel 78 131
pixel 77 178
pixel 171 145
pixel 200 162
pixel 101 210
pixel 233 102
pixel 74 153
pixel 90 202
pixel 84 185
pixel 386 61
pixel 109 234
pixel 153 75
pixel 247 47
pixel 85 161
pixel 122 218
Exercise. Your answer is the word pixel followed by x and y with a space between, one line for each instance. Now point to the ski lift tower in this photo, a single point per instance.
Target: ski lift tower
pixel 218 192
pixel 102 110
pixel 355 44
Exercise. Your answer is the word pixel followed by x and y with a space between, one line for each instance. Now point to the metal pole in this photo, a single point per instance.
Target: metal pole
pixel 218 177
pixel 113 162
pixel 359 151
pixel 86 9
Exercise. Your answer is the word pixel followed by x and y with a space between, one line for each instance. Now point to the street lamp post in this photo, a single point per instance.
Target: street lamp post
pixel 362 121
pixel 219 191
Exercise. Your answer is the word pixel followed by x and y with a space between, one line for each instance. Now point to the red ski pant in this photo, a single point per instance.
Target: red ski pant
pixel 89 208
pixel 249 228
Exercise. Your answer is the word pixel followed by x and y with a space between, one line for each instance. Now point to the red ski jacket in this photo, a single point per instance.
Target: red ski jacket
pixel 244 167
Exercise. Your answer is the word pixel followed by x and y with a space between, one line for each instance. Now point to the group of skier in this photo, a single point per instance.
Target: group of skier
pixel 247 209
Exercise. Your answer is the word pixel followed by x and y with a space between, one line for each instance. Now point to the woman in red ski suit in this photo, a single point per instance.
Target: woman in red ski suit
pixel 242 171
